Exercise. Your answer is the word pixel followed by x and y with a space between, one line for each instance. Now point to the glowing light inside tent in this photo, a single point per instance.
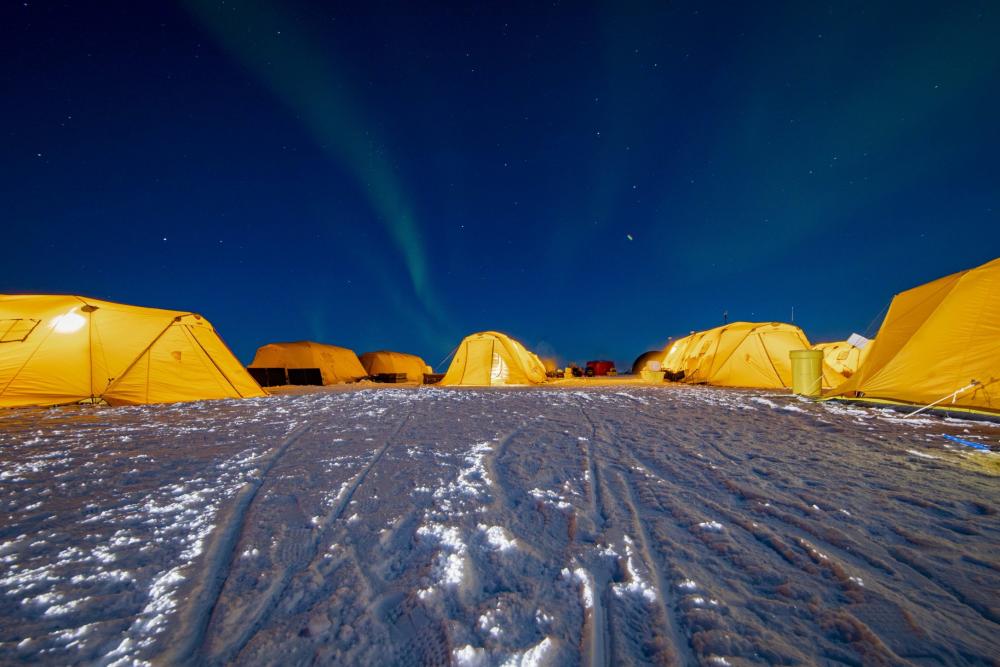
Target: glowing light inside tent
pixel 67 323
pixel 500 371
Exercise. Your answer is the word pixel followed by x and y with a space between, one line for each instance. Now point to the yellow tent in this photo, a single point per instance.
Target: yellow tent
pixel 643 360
pixel 743 354
pixel 938 341
pixel 490 358
pixel 841 360
pixel 384 361
pixel 317 363
pixel 57 349
pixel 675 353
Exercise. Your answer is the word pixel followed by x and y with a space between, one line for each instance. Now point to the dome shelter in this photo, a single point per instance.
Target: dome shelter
pixel 740 354
pixel 386 362
pixel 643 360
pixel 305 363
pixel 490 358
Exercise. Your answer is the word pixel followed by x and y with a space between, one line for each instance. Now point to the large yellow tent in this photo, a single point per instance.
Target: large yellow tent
pixel 743 354
pixel 841 360
pixel 331 364
pixel 57 349
pixel 939 342
pixel 490 358
pixel 384 361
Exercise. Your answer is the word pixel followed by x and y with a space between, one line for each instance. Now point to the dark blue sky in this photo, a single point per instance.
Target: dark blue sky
pixel 591 179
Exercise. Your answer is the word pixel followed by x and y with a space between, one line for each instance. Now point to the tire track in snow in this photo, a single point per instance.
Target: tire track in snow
pixel 219 555
pixel 501 499
pixel 597 507
pixel 599 634
pixel 681 652
pixel 791 552
pixel 238 633
pixel 607 449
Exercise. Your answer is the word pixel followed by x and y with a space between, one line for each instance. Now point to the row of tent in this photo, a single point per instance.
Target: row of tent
pixel 751 354
pixel 59 349
pixel 487 358
pixel 330 364
pixel 939 344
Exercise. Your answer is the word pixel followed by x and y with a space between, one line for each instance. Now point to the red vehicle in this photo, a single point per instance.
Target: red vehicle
pixel 600 367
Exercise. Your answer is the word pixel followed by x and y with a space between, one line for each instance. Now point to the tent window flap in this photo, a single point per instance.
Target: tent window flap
pixel 16 330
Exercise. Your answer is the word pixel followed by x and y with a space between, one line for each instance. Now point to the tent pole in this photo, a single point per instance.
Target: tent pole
pixel 952 396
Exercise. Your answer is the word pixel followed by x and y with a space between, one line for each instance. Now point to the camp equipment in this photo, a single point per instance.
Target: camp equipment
pixel 600 367
pixel 58 349
pixel 651 374
pixel 385 363
pixel 490 358
pixel 306 363
pixel 939 345
pixel 968 443
pixel 807 372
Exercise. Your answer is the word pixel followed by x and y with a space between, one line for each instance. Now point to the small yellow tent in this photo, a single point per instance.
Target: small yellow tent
pixel 334 364
pixel 938 341
pixel 489 358
pixel 643 360
pixel 57 349
pixel 743 354
pixel 384 361
pixel 840 360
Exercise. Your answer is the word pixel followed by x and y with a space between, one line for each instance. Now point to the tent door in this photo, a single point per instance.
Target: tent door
pixel 499 370
pixel 479 362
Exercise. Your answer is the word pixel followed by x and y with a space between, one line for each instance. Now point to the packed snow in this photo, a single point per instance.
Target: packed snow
pixel 615 524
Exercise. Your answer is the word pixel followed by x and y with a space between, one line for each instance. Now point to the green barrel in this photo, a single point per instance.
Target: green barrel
pixel 807 372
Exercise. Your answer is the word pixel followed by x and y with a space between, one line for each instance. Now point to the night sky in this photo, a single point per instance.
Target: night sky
pixel 589 179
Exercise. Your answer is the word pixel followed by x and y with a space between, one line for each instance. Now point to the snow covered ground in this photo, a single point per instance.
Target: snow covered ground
pixel 599 525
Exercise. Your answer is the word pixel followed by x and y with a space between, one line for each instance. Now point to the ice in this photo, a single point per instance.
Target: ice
pixel 552 498
pixel 469 656
pixel 636 584
pixel 714 526
pixel 587 587
pixel 533 657
pixel 450 565
pixel 498 538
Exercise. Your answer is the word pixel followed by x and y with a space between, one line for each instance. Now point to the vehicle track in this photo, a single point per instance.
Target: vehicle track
pixel 680 652
pixel 600 634
pixel 192 622
pixel 607 448
pixel 237 633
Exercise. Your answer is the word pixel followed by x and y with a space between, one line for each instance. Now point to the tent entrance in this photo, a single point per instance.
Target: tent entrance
pixel 499 370
pixel 478 368
pixel 305 376
pixel 269 377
